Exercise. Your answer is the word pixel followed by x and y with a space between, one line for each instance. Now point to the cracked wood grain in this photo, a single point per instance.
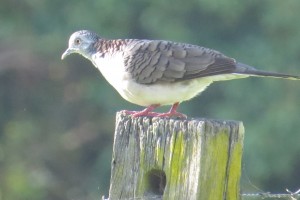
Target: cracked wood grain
pixel 176 159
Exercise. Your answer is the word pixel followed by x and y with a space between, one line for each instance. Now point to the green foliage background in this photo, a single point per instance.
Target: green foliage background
pixel 57 117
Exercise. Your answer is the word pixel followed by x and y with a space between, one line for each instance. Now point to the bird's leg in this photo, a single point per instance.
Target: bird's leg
pixel 173 112
pixel 148 112
pixel 145 112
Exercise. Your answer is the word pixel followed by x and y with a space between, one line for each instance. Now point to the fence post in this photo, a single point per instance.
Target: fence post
pixel 160 158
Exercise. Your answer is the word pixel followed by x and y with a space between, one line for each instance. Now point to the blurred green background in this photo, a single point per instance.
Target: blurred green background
pixel 57 117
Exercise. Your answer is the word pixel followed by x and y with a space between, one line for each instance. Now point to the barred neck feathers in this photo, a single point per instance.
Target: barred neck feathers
pixel 110 46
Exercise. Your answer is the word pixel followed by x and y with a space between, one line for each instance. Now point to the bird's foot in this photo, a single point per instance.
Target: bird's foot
pixel 148 112
pixel 141 113
pixel 172 114
pixel 154 114
pixel 145 112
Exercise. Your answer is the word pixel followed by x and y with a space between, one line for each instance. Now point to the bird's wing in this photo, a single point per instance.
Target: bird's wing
pixel 149 62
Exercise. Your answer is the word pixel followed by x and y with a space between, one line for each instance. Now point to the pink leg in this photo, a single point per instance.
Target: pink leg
pixel 173 112
pixel 148 112
pixel 145 112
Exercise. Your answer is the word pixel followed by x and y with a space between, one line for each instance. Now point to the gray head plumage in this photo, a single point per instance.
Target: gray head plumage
pixel 82 42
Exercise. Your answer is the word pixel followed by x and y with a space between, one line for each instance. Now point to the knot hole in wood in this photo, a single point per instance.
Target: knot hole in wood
pixel 156 182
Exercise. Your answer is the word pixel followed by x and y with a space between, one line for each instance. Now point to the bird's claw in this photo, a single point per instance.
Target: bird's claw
pixel 172 114
pixel 154 114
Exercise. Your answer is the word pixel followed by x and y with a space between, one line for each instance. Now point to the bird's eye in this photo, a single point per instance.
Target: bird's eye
pixel 77 41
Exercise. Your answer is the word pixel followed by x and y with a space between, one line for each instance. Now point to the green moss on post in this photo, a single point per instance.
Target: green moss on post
pixel 176 159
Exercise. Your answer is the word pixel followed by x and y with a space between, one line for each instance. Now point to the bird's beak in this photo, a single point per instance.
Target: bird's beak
pixel 67 52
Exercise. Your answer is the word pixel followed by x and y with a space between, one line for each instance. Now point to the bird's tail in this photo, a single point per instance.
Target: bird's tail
pixel 251 71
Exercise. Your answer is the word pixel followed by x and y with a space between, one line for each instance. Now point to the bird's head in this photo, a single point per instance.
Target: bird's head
pixel 81 42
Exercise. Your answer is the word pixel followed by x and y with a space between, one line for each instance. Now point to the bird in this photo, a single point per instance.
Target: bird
pixel 153 73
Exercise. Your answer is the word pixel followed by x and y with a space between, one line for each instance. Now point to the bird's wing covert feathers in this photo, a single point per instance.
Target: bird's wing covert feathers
pixel 149 62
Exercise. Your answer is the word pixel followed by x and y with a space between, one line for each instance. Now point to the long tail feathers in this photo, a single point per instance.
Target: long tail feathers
pixel 248 70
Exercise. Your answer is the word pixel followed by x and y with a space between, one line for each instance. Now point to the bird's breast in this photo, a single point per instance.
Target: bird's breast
pixel 112 68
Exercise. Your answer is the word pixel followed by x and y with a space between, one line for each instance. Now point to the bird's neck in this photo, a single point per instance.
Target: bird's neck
pixel 109 46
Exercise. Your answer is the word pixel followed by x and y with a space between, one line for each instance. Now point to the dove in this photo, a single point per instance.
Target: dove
pixel 153 73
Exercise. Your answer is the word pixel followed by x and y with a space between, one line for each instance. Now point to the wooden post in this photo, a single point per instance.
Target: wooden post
pixel 159 158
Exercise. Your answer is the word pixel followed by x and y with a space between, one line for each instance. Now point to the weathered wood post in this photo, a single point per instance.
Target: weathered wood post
pixel 159 158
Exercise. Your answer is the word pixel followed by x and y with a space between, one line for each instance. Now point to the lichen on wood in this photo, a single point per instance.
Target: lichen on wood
pixel 176 159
